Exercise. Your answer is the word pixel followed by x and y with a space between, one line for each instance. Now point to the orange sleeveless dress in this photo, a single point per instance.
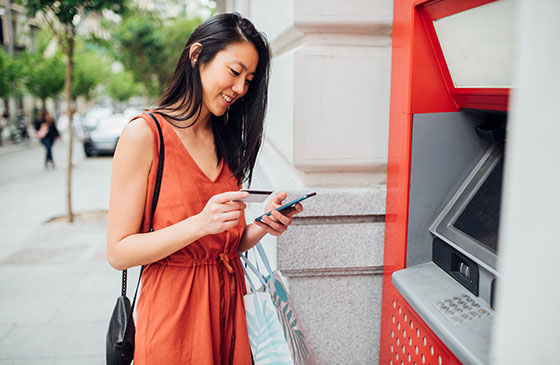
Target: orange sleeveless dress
pixel 190 309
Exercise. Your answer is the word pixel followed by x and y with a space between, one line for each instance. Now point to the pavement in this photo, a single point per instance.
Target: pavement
pixel 57 290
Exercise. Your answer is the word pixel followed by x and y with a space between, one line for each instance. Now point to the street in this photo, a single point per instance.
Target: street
pixel 57 289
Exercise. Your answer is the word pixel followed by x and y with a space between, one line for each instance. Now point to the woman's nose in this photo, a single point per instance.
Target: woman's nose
pixel 239 86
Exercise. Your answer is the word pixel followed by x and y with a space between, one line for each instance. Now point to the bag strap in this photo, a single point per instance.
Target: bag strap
pixel 264 258
pixel 155 198
pixel 255 271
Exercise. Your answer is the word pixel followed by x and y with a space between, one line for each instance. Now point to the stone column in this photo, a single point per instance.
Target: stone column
pixel 327 131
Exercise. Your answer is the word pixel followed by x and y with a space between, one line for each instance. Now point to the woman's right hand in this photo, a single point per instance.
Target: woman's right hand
pixel 222 212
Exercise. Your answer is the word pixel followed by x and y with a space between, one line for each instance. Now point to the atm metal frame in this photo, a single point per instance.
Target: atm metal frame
pixel 420 83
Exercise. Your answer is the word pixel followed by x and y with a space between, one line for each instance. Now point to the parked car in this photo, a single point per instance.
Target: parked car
pixel 103 138
pixel 94 115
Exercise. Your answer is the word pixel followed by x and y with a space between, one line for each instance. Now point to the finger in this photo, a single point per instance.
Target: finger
pixel 279 198
pixel 229 196
pixel 272 223
pixel 229 216
pixel 230 225
pixel 234 205
pixel 298 208
pixel 282 217
pixel 268 229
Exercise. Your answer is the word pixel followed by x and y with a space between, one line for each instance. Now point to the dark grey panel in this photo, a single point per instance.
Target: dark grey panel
pixel 445 148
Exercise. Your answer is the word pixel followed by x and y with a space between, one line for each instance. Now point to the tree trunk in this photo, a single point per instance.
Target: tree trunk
pixel 44 104
pixel 68 92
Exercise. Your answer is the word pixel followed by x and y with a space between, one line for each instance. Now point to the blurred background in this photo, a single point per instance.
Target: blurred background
pixel 121 62
pixel 333 126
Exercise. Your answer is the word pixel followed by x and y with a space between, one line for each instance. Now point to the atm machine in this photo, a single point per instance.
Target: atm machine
pixel 450 85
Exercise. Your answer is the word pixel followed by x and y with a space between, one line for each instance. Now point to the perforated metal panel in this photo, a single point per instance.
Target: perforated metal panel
pixel 410 340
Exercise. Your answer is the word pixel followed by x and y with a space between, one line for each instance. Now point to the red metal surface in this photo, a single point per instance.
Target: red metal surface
pixel 470 98
pixel 430 83
pixel 410 340
pixel 420 83
pixel 440 9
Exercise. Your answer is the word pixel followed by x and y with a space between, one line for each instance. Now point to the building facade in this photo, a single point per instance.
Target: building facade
pixel 326 131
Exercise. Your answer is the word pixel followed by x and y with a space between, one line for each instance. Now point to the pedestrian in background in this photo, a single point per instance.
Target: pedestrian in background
pixel 47 133
pixel 190 309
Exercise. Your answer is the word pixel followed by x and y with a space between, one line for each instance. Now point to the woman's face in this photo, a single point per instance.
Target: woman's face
pixel 227 77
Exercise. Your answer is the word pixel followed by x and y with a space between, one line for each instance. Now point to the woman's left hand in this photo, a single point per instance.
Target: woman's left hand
pixel 277 222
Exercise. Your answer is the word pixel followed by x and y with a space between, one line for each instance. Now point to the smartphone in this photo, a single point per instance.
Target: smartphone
pixel 256 196
pixel 287 205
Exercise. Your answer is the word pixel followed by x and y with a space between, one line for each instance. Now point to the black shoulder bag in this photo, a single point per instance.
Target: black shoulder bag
pixel 121 332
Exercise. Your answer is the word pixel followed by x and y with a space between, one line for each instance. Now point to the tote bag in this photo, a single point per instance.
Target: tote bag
pixel 275 333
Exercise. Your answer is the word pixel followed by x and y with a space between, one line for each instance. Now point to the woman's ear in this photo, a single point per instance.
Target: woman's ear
pixel 194 52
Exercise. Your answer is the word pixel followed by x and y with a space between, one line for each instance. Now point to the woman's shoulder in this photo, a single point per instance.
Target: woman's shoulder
pixel 135 143
pixel 138 130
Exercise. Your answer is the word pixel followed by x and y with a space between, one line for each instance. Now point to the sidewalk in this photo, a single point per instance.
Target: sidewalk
pixel 8 147
pixel 58 290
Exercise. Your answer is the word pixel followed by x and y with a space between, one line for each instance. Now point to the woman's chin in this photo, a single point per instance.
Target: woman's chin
pixel 219 112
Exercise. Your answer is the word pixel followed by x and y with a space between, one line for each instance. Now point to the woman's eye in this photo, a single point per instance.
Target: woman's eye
pixel 247 81
pixel 235 73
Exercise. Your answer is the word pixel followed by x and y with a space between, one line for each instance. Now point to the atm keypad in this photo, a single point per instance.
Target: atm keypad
pixel 462 309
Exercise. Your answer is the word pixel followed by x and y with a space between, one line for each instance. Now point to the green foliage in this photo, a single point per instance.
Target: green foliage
pixel 122 86
pixel 139 46
pixel 91 67
pixel 43 77
pixel 42 39
pixel 177 32
pixel 150 47
pixel 66 10
pixel 10 74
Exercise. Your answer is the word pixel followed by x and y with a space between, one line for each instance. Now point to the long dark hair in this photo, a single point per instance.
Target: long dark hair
pixel 237 133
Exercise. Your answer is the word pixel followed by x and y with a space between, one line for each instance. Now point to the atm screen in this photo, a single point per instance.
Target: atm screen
pixel 471 220
pixel 481 217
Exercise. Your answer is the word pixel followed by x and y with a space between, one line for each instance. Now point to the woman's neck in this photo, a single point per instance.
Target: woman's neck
pixel 199 123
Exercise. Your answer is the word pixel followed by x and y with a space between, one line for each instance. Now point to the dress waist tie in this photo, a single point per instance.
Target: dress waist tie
pixel 225 259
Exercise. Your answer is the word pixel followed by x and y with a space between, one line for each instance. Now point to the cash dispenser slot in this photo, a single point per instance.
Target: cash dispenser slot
pixel 461 268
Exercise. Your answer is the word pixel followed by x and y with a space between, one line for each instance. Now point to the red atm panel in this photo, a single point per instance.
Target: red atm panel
pixel 420 83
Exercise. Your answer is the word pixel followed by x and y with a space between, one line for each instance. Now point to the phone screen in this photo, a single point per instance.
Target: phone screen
pixel 287 205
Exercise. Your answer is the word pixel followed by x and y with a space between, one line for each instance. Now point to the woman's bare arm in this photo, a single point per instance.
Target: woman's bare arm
pixel 126 247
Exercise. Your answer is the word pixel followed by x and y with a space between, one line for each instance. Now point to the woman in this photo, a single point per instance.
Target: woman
pixel 190 309
pixel 48 134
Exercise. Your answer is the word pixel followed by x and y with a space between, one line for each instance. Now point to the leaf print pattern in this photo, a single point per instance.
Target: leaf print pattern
pixel 266 336
pixel 275 334
pixel 299 348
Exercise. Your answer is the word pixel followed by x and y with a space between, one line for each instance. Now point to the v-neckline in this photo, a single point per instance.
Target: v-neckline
pixel 187 153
